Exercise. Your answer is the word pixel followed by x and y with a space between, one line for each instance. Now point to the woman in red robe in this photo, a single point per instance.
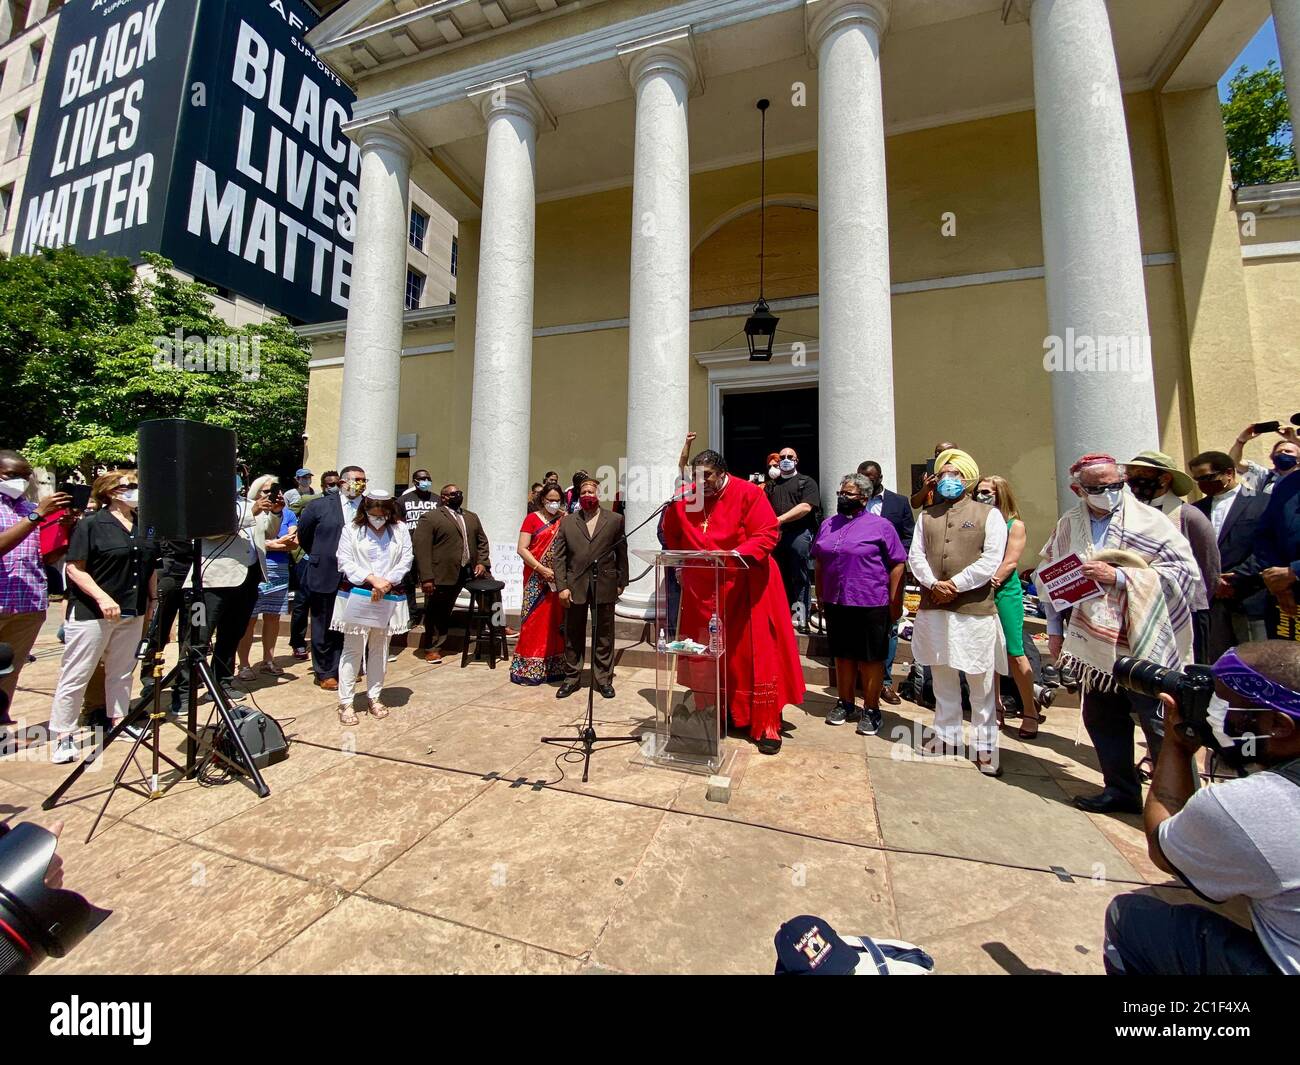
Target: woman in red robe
pixel 763 672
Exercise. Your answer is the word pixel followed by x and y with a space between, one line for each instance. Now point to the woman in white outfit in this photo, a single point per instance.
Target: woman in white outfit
pixel 375 554
pixel 111 584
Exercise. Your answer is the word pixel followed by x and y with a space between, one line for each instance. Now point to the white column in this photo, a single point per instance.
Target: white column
pixel 1286 21
pixel 501 415
pixel 662 71
pixel 856 387
pixel 1096 295
pixel 372 350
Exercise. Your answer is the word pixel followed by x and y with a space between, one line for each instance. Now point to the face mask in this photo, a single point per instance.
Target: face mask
pixel 352 489
pixel 454 500
pixel 131 498
pixel 951 487
pixel 985 497
pixel 1284 461
pixel 553 507
pixel 1106 502
pixel 589 502
pixel 1145 488
pixel 1236 751
pixel 774 472
pixel 331 490
pixel 377 522
pixel 787 465
pixel 14 487
pixel 239 483
pixel 848 506
pixel 424 486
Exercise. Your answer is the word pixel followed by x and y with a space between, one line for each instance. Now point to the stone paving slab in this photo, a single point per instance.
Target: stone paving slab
pixel 188 910
pixel 540 867
pixel 1019 820
pixel 709 896
pixel 364 936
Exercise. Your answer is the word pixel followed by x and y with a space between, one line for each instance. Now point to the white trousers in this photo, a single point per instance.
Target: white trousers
pixel 983 708
pixel 374 646
pixel 86 642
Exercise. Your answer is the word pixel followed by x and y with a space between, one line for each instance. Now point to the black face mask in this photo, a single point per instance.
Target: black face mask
pixel 454 500
pixel 1146 489
pixel 849 507
pixel 985 497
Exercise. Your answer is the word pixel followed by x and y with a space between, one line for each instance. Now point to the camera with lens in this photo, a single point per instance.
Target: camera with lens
pixel 37 921
pixel 1191 689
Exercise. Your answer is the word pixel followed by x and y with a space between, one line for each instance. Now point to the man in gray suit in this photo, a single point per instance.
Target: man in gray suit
pixel 591 538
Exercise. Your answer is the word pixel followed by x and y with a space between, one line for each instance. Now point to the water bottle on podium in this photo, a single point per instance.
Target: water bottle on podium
pixel 715 635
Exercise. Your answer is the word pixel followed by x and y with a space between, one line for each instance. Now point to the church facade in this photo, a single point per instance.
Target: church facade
pixel 1008 223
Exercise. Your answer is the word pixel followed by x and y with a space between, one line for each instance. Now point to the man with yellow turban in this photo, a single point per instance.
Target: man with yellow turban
pixel 957 547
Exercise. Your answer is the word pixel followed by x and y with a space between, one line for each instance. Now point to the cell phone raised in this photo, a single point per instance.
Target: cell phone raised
pixel 929 466
pixel 80 494
pixel 1267 427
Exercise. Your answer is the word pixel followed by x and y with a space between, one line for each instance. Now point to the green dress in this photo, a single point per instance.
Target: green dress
pixel 1010 600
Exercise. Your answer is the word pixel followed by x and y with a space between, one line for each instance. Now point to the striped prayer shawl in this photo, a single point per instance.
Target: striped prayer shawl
pixel 1151 617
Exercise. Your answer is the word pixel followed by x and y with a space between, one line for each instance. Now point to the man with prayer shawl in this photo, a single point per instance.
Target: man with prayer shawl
pixel 1149 575
pixel 957 547
pixel 763 672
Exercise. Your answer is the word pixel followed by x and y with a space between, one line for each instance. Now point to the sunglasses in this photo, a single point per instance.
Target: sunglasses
pixel 1208 477
pixel 1101 489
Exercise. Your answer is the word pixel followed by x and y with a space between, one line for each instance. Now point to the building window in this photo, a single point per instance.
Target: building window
pixel 17 135
pixel 16 12
pixel 455 254
pixel 34 69
pixel 419 227
pixel 414 288
pixel 6 205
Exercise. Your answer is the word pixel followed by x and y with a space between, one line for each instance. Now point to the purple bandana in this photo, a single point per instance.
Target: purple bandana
pixel 1255 686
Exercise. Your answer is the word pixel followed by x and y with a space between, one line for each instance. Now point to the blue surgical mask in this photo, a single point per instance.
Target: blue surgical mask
pixel 1284 461
pixel 787 465
pixel 424 486
pixel 951 487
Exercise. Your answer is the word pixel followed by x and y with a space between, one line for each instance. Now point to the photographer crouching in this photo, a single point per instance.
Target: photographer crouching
pixel 1239 837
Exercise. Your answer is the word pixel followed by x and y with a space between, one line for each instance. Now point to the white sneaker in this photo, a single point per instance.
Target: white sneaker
pixel 65 751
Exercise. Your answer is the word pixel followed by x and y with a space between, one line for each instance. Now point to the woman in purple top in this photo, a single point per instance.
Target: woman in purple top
pixel 859 573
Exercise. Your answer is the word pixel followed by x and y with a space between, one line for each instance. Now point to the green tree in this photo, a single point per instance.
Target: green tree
pixel 82 346
pixel 1257 121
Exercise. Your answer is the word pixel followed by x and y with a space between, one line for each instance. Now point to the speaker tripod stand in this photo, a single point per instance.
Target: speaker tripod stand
pixel 147 715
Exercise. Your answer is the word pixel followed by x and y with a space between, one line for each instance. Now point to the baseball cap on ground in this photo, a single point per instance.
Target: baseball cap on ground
pixel 809 946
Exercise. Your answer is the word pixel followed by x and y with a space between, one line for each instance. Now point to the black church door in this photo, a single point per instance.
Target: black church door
pixel 754 424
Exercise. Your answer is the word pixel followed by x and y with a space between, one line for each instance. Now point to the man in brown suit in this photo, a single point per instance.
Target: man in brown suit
pixel 592 536
pixel 450 548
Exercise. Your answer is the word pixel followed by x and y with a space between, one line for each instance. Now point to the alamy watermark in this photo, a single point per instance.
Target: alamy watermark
pixel 1089 353
pixel 239 354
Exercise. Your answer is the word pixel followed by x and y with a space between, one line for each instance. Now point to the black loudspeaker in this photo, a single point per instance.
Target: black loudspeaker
pixel 187 479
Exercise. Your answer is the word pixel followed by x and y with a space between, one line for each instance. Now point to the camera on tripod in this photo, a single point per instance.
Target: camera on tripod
pixel 1192 689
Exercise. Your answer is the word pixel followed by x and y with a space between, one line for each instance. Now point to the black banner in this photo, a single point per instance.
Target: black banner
pixel 102 149
pixel 264 190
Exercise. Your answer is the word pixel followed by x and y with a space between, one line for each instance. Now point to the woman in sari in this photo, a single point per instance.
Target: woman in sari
pixel 539 652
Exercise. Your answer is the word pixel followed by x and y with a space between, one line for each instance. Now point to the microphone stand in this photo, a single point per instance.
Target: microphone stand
pixel 587 734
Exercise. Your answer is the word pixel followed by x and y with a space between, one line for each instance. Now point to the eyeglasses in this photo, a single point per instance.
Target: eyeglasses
pixel 848 495
pixel 1101 489
pixel 130 487
pixel 1208 477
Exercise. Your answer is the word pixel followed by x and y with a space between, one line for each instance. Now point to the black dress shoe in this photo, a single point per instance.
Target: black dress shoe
pixel 566 689
pixel 1107 804
pixel 769 746
pixel 607 690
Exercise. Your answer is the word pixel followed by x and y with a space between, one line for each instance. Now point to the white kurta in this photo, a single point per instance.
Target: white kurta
pixel 968 642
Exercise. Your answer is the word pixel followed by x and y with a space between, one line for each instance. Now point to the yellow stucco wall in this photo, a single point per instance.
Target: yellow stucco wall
pixel 985 338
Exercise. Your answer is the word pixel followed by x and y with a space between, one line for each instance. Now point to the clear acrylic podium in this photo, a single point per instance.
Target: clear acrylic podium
pixel 689 636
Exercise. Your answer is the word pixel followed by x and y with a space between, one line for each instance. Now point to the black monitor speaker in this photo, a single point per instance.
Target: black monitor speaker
pixel 187 479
